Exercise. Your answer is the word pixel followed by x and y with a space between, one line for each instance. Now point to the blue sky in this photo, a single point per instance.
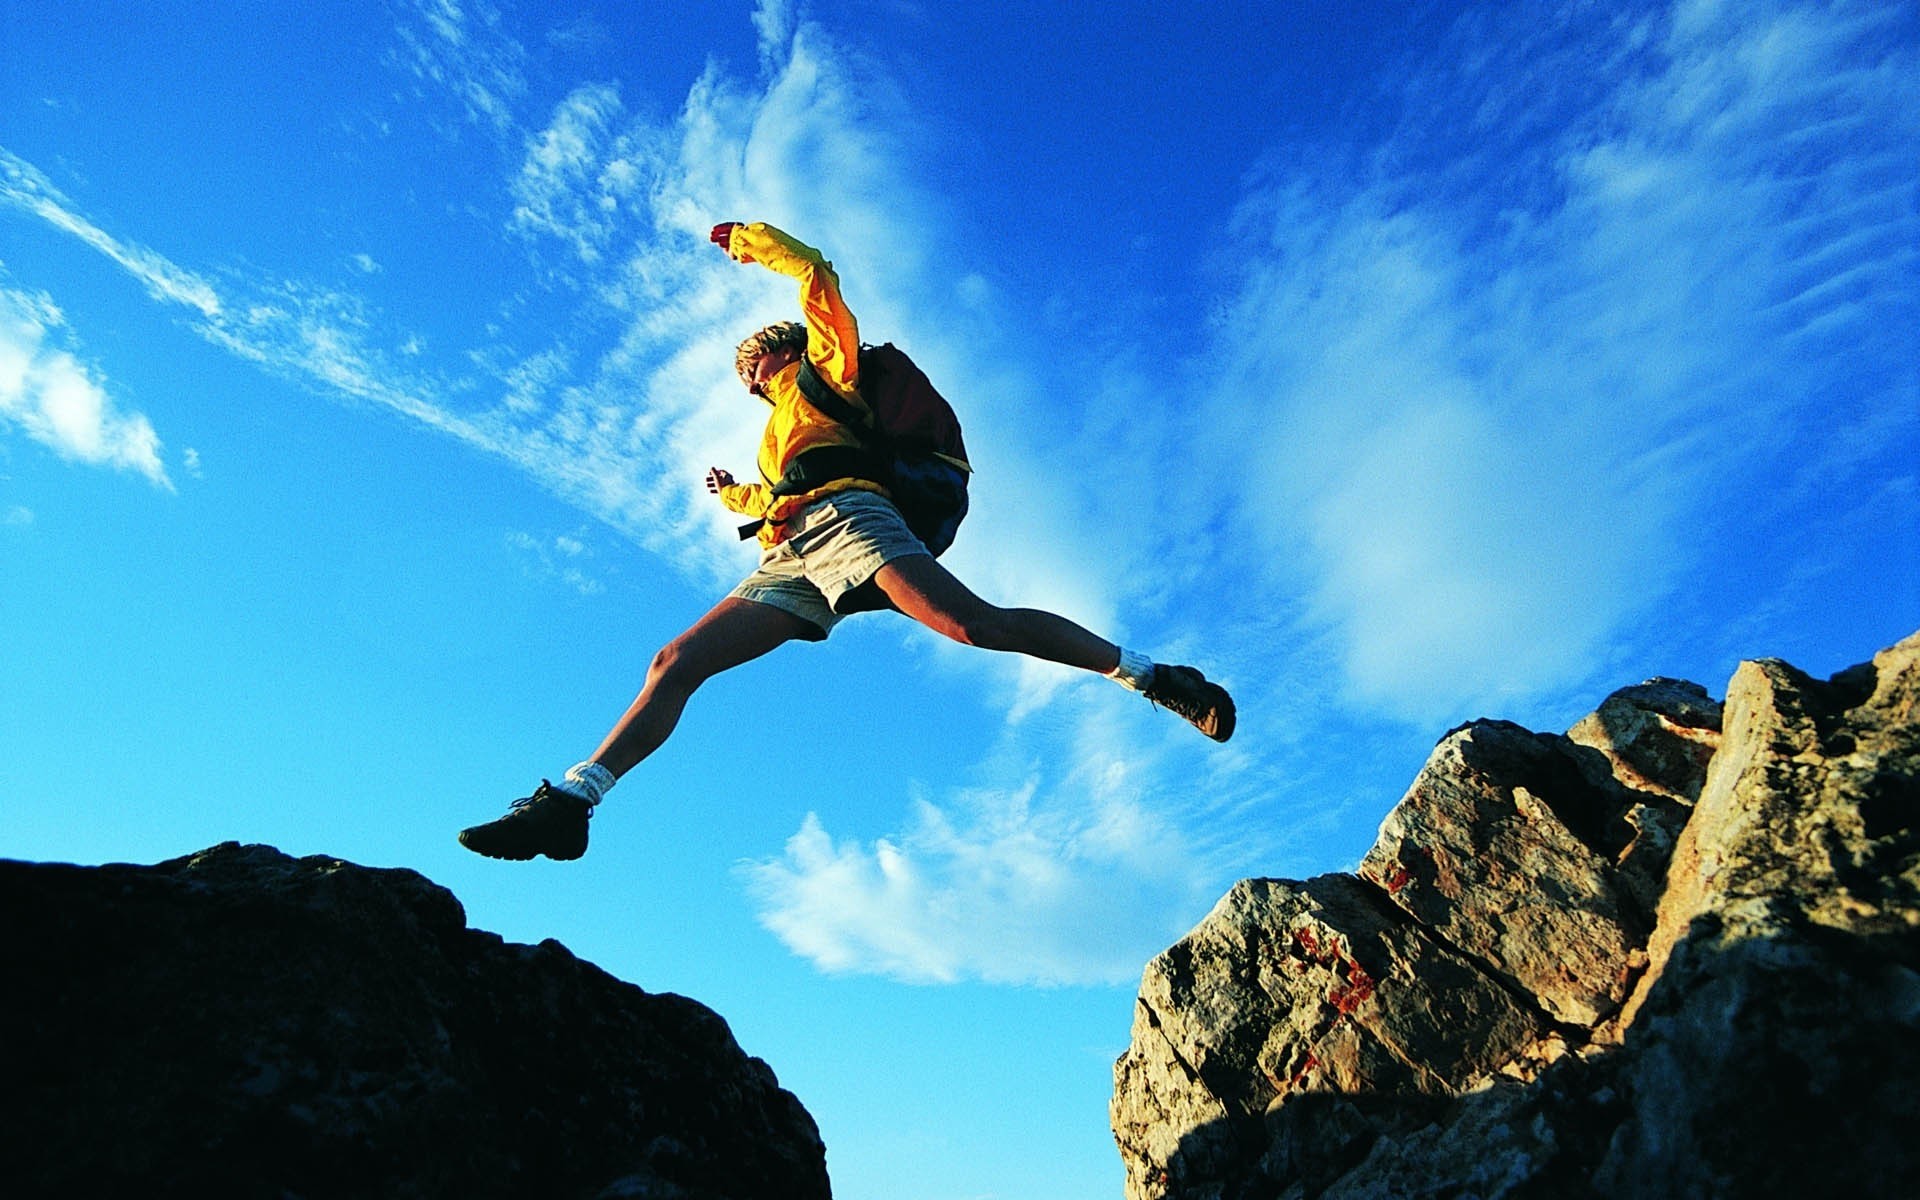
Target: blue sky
pixel 1396 364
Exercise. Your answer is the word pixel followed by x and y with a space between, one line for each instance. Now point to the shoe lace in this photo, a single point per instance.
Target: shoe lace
pixel 1174 693
pixel 541 793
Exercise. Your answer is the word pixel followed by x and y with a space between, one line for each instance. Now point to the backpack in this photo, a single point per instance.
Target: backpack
pixel 912 447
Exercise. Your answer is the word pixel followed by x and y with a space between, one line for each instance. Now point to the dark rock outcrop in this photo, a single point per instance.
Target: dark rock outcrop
pixel 1674 953
pixel 241 1023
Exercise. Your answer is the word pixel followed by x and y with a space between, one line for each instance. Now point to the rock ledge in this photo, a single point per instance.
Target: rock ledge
pixel 241 1023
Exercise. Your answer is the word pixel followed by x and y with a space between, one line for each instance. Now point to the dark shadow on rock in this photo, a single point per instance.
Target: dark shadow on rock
pixel 239 1023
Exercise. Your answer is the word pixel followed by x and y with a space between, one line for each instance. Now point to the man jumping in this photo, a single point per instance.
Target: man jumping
pixel 833 550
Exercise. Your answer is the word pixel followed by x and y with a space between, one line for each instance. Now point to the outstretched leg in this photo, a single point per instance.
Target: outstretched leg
pixel 734 632
pixel 930 594
pixel 553 821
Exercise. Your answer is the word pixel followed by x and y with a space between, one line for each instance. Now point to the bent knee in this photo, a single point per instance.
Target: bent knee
pixel 671 666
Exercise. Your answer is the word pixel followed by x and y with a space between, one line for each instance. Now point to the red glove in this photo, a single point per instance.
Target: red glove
pixel 722 235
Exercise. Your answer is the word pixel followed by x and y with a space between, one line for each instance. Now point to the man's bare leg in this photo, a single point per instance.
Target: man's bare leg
pixel 930 594
pixel 732 633
pixel 553 821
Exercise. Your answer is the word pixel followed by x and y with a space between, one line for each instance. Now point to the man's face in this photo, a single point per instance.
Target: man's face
pixel 767 366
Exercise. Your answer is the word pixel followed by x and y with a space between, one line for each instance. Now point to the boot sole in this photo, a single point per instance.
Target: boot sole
pixel 528 856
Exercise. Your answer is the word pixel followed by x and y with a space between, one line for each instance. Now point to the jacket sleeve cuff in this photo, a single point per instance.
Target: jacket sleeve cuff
pixel 744 498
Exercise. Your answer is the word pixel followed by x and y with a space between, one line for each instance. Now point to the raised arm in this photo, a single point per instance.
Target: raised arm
pixel 833 336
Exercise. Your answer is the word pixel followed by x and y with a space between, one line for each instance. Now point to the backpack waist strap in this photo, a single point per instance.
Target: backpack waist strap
pixel 818 467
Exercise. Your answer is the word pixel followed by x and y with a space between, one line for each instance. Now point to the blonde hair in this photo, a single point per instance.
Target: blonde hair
pixel 776 336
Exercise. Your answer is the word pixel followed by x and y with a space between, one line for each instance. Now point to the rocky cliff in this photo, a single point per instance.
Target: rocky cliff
pixel 1674 953
pixel 239 1023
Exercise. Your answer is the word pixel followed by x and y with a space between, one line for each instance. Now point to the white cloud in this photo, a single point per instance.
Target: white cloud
pixel 1502 376
pixel 994 886
pixel 593 449
pixel 1086 848
pixel 317 336
pixel 632 203
pixel 582 171
pixel 773 20
pixel 59 401
pixel 25 187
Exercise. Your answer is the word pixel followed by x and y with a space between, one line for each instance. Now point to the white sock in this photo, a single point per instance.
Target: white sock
pixel 588 780
pixel 1135 672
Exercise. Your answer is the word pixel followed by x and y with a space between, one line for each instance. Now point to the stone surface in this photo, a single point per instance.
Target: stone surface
pixel 1287 989
pixel 1657 736
pixel 1502 849
pixel 1776 1040
pixel 1705 926
pixel 241 1023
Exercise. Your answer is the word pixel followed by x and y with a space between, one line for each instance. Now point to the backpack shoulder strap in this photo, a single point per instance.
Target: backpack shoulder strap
pixel 821 395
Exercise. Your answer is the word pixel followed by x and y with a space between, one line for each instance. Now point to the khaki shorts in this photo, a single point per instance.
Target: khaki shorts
pixel 833 547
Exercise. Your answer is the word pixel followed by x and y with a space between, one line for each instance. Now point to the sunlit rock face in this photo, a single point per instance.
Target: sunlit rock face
pixel 241 1023
pixel 1675 952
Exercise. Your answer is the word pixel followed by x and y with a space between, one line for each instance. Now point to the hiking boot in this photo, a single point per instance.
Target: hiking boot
pixel 549 822
pixel 1186 691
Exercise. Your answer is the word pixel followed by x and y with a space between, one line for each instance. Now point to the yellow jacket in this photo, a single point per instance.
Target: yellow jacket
pixel 795 426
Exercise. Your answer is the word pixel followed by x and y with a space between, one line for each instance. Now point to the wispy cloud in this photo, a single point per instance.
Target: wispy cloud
pixel 630 201
pixel 566 559
pixel 1501 377
pixel 624 430
pixel 328 340
pixel 1088 843
pixel 459 48
pixel 59 401
pixel 581 172
pixel 24 186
